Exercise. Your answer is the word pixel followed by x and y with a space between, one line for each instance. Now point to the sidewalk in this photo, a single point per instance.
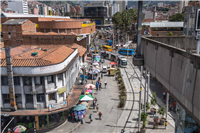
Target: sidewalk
pixel 132 124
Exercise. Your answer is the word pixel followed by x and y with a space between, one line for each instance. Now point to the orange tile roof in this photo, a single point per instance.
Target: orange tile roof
pixel 21 55
pixel 48 33
pixel 81 49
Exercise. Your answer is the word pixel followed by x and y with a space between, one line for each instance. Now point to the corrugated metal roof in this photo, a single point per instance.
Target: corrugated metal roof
pixel 166 24
pixel 3 14
pixel 15 21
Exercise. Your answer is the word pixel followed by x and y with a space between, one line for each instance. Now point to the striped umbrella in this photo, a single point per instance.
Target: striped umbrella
pixel 19 129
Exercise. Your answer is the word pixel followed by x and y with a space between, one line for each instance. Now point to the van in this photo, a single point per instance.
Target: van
pixel 104 69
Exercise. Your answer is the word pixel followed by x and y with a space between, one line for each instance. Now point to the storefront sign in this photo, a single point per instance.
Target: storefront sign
pixel 57 106
pixel 61 90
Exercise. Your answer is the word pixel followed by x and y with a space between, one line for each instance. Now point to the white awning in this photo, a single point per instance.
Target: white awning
pixel 166 24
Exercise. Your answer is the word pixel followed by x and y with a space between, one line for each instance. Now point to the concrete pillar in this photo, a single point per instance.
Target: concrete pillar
pixel 1 100
pixel 34 96
pixel 65 30
pixel 71 30
pixel 37 124
pixel 145 92
pixel 22 93
pixel 148 86
pixel 64 85
pixel 56 81
pixel 167 105
pixel 46 95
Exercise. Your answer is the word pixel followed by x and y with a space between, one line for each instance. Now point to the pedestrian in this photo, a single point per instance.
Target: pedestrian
pixel 174 105
pixel 164 94
pixel 86 81
pixel 105 84
pixel 99 86
pixel 90 117
pixel 101 75
pixel 97 107
pixel 170 107
pixel 99 78
pixel 100 115
pixel 122 131
pixel 94 104
pixel 154 113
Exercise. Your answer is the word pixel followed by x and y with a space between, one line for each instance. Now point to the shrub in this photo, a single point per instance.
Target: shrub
pixel 122 93
pixel 162 111
pixel 154 99
pixel 144 119
pixel 147 106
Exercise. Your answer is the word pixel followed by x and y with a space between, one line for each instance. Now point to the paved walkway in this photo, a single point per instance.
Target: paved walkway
pixel 132 124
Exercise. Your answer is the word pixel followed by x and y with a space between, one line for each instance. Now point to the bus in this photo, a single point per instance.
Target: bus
pixel 123 51
pixel 107 48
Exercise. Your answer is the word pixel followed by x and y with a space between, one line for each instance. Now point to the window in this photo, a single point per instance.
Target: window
pixel 40 98
pixel 16 80
pixel 29 98
pixel 52 96
pixel 61 95
pixel 50 79
pixel 9 35
pixel 6 98
pixel 27 81
pixel 4 80
pixel 39 80
pixel 60 76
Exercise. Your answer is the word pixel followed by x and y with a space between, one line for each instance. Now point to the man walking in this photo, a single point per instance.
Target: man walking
pixel 105 84
pixel 100 86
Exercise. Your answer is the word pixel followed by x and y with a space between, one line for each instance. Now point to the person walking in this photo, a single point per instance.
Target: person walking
pixel 164 94
pixel 105 84
pixel 100 86
pixel 100 115
pixel 94 104
pixel 97 86
pixel 90 117
pixel 175 106
pixel 97 107
pixel 101 75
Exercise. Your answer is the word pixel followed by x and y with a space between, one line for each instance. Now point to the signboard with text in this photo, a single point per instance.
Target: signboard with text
pixel 61 90
pixel 56 106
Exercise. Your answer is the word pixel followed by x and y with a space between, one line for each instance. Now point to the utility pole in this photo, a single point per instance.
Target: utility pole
pixel 84 78
pixel 139 25
pixel 167 105
pixel 145 88
pixel 140 99
pixel 148 86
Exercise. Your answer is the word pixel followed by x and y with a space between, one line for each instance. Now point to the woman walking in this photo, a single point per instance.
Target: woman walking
pixel 97 107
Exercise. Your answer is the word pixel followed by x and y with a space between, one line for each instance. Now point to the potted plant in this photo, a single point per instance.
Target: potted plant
pixel 143 119
pixel 153 102
pixel 162 112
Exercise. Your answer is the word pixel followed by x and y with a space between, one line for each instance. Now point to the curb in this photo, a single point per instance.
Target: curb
pixel 74 128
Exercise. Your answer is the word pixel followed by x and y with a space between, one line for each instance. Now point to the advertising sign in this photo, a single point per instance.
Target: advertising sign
pixel 56 106
pixel 61 90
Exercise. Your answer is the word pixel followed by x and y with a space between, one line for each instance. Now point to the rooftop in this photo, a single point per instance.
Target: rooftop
pixel 15 21
pixel 17 15
pixel 81 49
pixel 46 55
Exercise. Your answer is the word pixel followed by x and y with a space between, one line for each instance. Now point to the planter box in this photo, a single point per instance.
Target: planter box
pixel 152 110
pixel 143 130
pixel 162 121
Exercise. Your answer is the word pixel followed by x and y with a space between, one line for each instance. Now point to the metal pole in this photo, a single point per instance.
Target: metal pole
pixel 34 127
pixel 148 86
pixel 140 99
pixel 145 88
pixel 198 47
pixel 167 105
pixel 84 79
pixel 7 124
pixel 92 68
pixel 139 27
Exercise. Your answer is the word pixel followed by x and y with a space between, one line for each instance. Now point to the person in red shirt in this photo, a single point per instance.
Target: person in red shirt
pixel 174 105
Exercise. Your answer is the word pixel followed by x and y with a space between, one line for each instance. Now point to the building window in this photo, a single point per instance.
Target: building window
pixel 27 81
pixel 52 96
pixel 39 80
pixel 50 79
pixel 60 76
pixel 4 80
pixel 29 98
pixel 6 98
pixel 9 35
pixel 61 95
pixel 16 80
pixel 40 98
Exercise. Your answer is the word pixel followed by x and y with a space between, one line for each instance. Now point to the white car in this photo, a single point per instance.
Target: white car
pixel 104 69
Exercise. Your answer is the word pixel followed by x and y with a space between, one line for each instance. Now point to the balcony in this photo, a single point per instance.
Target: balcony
pixel 40 88
pixel 5 89
pixel 27 89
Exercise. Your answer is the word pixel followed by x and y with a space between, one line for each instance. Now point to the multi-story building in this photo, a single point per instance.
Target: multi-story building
pixel 113 9
pixel 160 4
pixel 72 9
pixel 78 9
pixel 122 5
pixel 67 7
pixel 21 6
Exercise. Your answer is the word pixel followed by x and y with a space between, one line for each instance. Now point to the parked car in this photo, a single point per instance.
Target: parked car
pixel 104 69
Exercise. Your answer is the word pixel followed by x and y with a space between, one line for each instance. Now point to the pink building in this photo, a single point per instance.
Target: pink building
pixel 35 10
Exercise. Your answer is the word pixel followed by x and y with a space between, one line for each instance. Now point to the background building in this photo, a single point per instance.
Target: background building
pixel 160 4
pixel 67 7
pixel 21 6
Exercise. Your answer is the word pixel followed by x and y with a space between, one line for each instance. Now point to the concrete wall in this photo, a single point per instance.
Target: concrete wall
pixel 179 42
pixel 178 71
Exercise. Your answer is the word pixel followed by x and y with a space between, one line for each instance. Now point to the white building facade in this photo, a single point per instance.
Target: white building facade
pixel 38 87
pixel 21 6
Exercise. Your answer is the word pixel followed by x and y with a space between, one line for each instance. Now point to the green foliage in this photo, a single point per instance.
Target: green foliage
pixel 162 110
pixel 154 99
pixel 117 20
pixel 176 17
pixel 147 106
pixel 144 119
pixel 171 33
pixel 122 101
pixel 122 93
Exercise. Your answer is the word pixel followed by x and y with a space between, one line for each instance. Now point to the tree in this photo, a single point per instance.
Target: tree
pixel 117 21
pixel 162 111
pixel 176 17
pixel 154 99
pixel 143 119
